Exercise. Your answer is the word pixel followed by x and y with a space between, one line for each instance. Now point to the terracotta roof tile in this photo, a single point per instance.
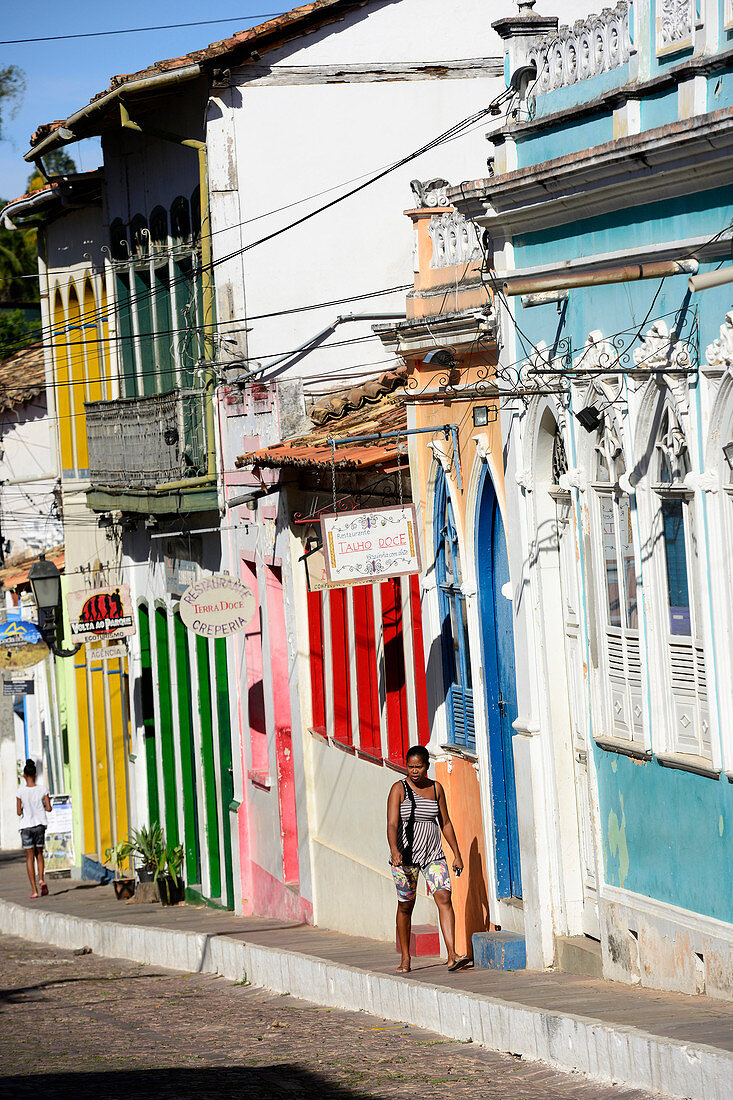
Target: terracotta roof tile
pixel 22 377
pixel 314 449
pixel 343 402
pixel 17 572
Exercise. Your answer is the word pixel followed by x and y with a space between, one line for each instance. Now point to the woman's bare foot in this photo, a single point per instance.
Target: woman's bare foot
pixel 404 967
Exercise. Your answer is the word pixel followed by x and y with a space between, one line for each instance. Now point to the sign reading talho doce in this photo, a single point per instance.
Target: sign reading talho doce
pixel 100 614
pixel 217 606
pixel 370 544
pixel 21 645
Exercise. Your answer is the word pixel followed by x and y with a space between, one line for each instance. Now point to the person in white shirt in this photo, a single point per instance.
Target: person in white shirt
pixel 33 803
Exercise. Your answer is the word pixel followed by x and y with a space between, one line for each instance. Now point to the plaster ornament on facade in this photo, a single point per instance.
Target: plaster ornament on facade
pixel 588 48
pixel 454 240
pixel 719 354
pixel 675 25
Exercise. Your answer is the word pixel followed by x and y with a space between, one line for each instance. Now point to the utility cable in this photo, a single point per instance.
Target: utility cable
pixel 142 30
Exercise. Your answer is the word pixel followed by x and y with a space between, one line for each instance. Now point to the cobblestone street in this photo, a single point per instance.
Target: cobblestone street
pixel 82 1026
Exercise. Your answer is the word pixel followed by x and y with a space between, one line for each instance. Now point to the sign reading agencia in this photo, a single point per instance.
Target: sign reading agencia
pixel 217 606
pixel 370 544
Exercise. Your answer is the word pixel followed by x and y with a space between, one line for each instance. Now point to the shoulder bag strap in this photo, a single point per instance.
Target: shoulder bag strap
pixel 407 855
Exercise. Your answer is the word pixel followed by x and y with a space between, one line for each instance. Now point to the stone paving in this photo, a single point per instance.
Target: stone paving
pixel 698 1020
pixel 79 1026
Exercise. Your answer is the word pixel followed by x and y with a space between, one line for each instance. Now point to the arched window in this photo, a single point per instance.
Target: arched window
pixel 453 620
pixel 139 237
pixel 119 245
pixel 618 613
pixel 158 228
pixel 180 221
pixel 679 567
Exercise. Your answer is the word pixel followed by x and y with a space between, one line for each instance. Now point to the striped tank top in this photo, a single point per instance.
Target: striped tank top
pixel 426 844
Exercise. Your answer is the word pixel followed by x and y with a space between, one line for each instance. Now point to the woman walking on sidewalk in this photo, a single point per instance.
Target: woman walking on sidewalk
pixel 416 812
pixel 33 803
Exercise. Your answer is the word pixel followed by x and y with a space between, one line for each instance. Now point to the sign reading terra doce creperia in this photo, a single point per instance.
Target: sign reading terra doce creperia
pixel 370 544
pixel 21 645
pixel 217 606
pixel 100 613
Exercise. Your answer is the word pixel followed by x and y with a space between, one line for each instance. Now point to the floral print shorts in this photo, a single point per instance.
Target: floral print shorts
pixel 436 878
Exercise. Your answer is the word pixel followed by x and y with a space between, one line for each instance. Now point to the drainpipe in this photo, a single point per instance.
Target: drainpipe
pixel 600 276
pixel 207 282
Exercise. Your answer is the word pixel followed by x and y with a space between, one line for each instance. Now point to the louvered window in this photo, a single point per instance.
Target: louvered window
pixel 453 621
pixel 620 650
pixel 683 620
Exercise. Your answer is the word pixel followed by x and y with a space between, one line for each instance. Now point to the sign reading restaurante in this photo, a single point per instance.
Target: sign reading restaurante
pixel 217 606
pixel 370 544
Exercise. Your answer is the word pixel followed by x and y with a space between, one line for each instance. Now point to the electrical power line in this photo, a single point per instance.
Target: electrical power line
pixel 457 129
pixel 140 30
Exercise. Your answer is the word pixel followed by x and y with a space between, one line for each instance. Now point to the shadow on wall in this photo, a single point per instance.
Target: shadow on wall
pixel 208 1082
pixel 476 915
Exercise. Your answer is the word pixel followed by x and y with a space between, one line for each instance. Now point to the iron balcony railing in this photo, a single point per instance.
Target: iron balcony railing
pixel 141 442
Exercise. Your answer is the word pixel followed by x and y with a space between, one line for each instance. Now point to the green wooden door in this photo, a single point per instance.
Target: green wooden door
pixel 226 778
pixel 208 767
pixel 165 708
pixel 187 756
pixel 148 711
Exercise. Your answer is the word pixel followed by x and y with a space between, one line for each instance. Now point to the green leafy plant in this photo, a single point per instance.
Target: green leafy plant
pixel 148 843
pixel 168 867
pixel 119 854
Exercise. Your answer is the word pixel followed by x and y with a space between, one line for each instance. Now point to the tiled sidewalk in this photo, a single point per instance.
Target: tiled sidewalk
pixel 618 1010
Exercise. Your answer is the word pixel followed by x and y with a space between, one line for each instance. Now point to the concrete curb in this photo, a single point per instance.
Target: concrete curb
pixel 609 1053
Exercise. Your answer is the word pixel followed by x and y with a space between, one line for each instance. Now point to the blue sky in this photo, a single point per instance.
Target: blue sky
pixel 62 76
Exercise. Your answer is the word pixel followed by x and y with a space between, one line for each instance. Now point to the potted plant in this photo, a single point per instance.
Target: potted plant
pixel 124 886
pixel 167 874
pixel 147 843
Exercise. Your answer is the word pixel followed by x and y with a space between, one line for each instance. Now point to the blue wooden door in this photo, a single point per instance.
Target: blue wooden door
pixel 500 686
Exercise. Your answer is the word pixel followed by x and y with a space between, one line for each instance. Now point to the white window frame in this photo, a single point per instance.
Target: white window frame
pixel 620 677
pixel 682 730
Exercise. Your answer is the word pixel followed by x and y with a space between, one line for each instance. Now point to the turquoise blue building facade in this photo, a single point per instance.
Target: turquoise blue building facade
pixel 608 229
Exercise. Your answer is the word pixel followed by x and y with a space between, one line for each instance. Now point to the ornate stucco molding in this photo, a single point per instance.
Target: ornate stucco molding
pixel 586 49
pixel 661 351
pixel 483 450
pixel 719 354
pixel 445 459
pixel 541 358
pixel 430 192
pixel 707 482
pixel 523 478
pixel 454 240
pixel 675 25
pixel 573 479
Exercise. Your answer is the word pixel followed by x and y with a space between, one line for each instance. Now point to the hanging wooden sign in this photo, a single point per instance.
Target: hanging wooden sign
pixel 100 614
pixel 217 606
pixel 370 544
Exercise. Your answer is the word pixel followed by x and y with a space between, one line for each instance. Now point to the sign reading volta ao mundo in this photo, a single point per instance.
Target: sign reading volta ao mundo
pixel 97 614
pixel 217 606
pixel 21 645
pixel 370 544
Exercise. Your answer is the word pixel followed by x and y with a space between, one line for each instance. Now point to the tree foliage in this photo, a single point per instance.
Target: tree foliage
pixel 12 86
pixel 56 163
pixel 17 332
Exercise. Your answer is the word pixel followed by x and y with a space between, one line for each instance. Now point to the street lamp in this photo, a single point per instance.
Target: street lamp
pixel 45 581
